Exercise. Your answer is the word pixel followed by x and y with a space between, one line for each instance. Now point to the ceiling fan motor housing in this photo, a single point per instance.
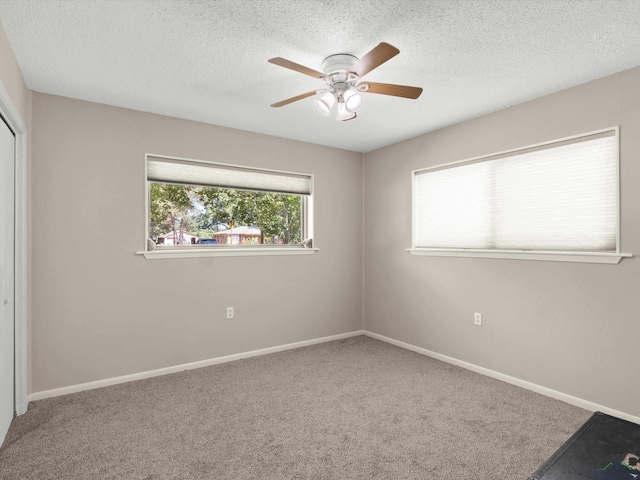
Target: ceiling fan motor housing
pixel 337 67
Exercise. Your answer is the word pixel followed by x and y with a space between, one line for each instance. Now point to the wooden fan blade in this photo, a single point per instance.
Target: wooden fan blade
pixel 375 58
pixel 282 62
pixel 395 90
pixel 293 99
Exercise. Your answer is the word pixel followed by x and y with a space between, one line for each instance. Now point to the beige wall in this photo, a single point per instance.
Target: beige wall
pixel 11 78
pixel 100 311
pixel 568 327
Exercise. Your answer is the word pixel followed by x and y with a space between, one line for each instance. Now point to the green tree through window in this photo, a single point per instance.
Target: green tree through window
pixel 182 210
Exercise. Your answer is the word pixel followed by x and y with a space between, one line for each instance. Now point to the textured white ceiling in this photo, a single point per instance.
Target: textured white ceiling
pixel 206 60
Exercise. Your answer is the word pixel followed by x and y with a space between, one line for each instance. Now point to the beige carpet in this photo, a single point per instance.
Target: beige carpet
pixel 351 409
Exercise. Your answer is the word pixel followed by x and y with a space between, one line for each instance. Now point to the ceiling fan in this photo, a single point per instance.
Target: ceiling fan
pixel 342 74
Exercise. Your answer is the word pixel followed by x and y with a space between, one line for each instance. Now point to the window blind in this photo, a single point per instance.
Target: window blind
pixel 186 172
pixel 561 196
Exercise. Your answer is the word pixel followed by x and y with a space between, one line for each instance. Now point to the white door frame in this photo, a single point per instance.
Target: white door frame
pixel 12 118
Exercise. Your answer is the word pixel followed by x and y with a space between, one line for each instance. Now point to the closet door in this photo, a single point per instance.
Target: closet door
pixel 7 277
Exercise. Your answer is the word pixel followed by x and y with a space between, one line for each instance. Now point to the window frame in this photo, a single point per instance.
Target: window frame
pixel 213 250
pixel 557 256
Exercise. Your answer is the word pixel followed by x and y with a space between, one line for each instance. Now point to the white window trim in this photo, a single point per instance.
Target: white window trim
pixel 576 257
pixel 223 251
pixel 552 256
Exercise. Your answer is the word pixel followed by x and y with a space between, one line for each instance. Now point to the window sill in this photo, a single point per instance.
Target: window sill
pixel 579 257
pixel 225 252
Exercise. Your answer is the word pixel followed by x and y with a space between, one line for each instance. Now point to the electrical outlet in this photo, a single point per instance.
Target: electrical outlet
pixel 477 318
pixel 229 312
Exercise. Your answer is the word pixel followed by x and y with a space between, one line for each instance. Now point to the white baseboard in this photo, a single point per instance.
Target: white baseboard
pixel 56 392
pixel 578 402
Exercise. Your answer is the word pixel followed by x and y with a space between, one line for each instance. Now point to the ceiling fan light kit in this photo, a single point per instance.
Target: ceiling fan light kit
pixel 344 114
pixel 325 102
pixel 352 100
pixel 341 87
pixel 341 74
